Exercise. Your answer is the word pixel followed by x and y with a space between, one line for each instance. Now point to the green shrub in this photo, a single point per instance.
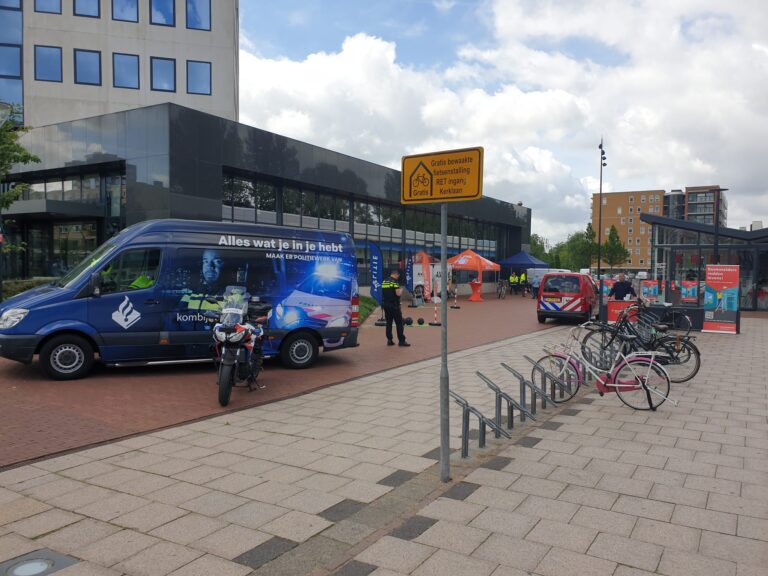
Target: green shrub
pixel 13 287
pixel 367 305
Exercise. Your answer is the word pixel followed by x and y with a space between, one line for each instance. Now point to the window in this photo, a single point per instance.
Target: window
pixel 48 63
pixel 642 198
pixel 199 14
pixel 162 12
pixel 629 231
pixel 125 10
pixel 131 270
pixel 50 6
pixel 623 220
pixel 125 71
pixel 637 240
pixel 631 220
pixel 631 199
pixel 608 232
pixel 605 201
pixel 198 77
pixel 629 240
pixel 637 251
pixel 631 209
pixel 10 27
pixel 87 67
pixel 163 72
pixel 641 261
pixel 618 210
pixel 10 61
pixel 642 229
pixel 658 198
pixel 638 209
pixel 89 8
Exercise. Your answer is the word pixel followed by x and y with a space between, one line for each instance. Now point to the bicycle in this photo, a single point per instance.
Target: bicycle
pixel 501 289
pixel 637 378
pixel 677 352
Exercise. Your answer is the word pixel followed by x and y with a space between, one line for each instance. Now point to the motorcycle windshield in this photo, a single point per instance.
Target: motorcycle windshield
pixel 235 305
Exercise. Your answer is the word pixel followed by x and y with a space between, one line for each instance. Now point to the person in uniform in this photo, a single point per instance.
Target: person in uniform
pixel 514 282
pixel 523 282
pixel 390 302
pixel 621 288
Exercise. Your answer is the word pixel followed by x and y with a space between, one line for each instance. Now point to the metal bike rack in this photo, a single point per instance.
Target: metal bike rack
pixel 466 410
pixel 535 393
pixel 511 403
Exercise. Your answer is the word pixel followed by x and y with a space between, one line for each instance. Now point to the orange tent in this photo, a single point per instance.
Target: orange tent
pixel 469 260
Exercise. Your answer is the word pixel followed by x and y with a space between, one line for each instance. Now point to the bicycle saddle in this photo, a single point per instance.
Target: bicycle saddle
pixel 660 327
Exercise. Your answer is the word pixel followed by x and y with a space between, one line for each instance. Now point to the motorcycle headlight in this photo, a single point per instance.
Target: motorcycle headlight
pixel 11 317
pixel 236 336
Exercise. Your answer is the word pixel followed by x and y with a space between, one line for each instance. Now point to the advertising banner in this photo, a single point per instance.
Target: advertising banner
pixel 607 285
pixel 377 271
pixel 650 290
pixel 409 273
pixel 721 298
pixel 689 291
pixel 426 275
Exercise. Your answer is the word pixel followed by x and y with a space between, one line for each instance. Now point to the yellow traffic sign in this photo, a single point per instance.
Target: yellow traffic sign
pixel 449 176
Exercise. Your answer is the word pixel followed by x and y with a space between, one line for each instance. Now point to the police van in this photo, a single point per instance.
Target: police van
pixel 150 295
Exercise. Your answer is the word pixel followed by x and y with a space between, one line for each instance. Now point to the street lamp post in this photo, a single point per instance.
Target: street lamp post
pixel 600 229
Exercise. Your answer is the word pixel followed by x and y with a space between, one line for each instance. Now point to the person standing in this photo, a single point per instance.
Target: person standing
pixel 390 302
pixel 523 282
pixel 621 288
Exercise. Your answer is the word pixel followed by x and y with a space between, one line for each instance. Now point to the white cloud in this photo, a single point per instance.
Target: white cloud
pixel 677 91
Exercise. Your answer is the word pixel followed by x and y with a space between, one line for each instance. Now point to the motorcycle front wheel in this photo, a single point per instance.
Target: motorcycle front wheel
pixel 226 380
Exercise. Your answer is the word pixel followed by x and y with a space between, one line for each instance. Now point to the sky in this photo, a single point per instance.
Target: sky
pixel 676 89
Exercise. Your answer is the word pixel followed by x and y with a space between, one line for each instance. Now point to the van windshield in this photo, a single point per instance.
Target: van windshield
pixel 85 265
pixel 563 284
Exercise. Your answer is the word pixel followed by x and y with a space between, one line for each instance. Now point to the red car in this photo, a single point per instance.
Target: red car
pixel 567 295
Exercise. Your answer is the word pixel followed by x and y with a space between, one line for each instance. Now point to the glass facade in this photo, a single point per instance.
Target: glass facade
pixel 87 67
pixel 89 8
pixel 11 71
pixel 125 70
pixel 48 63
pixel 125 10
pixel 199 14
pixel 198 77
pixel 51 6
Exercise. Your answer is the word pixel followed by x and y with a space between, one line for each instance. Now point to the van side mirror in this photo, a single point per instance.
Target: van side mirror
pixel 95 284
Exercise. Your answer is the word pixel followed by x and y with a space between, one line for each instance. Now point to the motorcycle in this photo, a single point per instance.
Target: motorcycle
pixel 237 341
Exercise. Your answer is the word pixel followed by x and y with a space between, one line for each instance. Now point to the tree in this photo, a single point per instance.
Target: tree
pixel 614 252
pixel 11 152
pixel 538 247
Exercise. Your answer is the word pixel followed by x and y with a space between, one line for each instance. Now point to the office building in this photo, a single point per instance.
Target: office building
pixel 701 203
pixel 69 59
pixel 623 210
pixel 674 204
pixel 100 174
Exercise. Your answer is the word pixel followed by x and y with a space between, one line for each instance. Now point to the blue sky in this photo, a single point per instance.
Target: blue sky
pixel 676 89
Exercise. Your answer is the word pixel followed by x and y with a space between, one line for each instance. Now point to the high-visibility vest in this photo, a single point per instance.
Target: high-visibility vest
pixel 522 277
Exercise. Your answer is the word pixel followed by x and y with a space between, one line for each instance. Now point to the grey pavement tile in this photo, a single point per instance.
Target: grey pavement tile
pixel 434 454
pixel 496 498
pixel 115 547
pixel 297 526
pixel 188 529
pixel 511 552
pixel 396 554
pixel 43 523
pixel 496 463
pixel 355 568
pixel 528 441
pixel 254 514
pixel 448 563
pixel 550 425
pixel 460 490
pixel 667 535
pixel 265 552
pixel 503 522
pixel 626 551
pixel 77 535
pixel 397 478
pixel 349 532
pixel 568 536
pixel 158 560
pixel 209 564
pixel 561 562
pixel 13 545
pixel 490 477
pixel 733 548
pixel 342 510
pixel 604 520
pixel 412 527
pixel 681 563
pixel 231 541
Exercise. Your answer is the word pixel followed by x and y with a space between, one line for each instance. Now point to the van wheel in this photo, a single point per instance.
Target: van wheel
pixel 541 318
pixel 299 350
pixel 67 357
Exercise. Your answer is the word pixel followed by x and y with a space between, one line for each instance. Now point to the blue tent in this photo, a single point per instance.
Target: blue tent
pixel 523 260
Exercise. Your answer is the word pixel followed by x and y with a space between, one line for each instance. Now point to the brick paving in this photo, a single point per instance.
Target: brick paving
pixel 39 417
pixel 344 481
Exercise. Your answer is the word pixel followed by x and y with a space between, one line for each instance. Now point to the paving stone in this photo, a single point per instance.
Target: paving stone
pixel 214 503
pixel 511 552
pixel 322 482
pixel 369 472
pixel 254 514
pixel 231 541
pixel 341 510
pixel 188 529
pixel 208 565
pixel 550 425
pixel 738 505
pixel 652 509
pixel 755 528
pixel 557 510
pixel 496 463
pixel 528 441
pixel 704 519
pixel 395 554
pixel 413 527
pixel 664 477
pixel 679 495
pixel 451 536
pixel 115 547
pixel 86 569
pixel 605 520
pixel 349 531
pixel 561 562
pixel 296 526
pixel 496 498
pixel 158 560
pixel 461 490
pixel 589 497
pixel 741 550
pixel 628 486
pixel 578 477
pixel 21 508
pixel 397 478
pixel 570 537
pixel 454 510
pixel 77 535
pixel 530 467
pixel 355 568
pixel 491 477
pixel 447 563
pixel 265 552
pixel 150 516
pixel 411 463
pixel 503 522
pixel 178 493
pixel 666 534
pixel 13 546
pixel 626 551
pixel 681 563
pixel 362 491
pixel 538 487
pixel 43 523
pixel 706 484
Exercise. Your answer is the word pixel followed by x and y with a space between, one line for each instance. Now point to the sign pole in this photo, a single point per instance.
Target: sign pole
pixel 445 439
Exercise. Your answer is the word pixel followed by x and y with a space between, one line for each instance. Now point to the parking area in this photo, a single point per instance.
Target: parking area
pixel 41 417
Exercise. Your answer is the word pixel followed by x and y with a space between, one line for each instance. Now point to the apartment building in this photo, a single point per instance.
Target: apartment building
pixel 623 210
pixel 701 203
pixel 65 60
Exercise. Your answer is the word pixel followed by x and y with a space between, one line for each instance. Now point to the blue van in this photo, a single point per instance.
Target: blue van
pixel 146 296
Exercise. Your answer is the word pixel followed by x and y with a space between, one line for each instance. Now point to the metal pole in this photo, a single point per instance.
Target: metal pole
pixel 600 236
pixel 717 227
pixel 445 438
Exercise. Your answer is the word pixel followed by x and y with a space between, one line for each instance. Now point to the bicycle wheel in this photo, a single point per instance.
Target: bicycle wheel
pixel 567 374
pixel 680 358
pixel 600 347
pixel 641 383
